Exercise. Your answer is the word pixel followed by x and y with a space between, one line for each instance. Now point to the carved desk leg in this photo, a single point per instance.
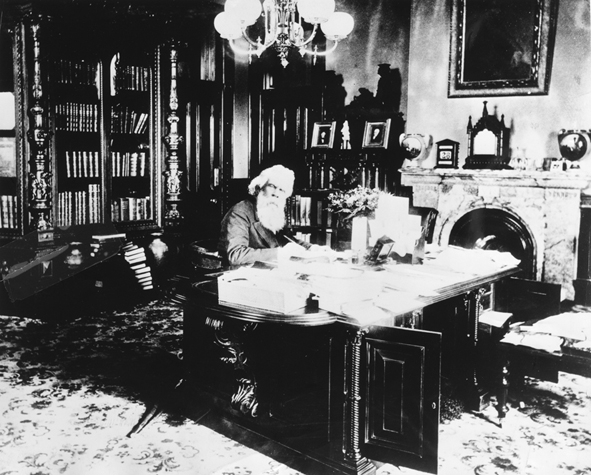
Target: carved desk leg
pixel 503 392
pixel 351 446
pixel 230 338
pixel 473 309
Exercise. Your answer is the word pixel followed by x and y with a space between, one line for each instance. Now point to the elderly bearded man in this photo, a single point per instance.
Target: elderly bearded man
pixel 253 229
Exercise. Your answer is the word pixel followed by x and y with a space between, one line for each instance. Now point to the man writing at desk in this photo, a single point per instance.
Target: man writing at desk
pixel 253 229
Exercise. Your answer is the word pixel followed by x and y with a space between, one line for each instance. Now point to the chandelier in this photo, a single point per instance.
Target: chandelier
pixel 283 25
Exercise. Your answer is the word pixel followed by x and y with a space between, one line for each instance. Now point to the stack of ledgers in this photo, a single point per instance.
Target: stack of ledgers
pixel 136 257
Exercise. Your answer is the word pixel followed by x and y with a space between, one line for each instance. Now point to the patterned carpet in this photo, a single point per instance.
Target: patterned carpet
pixel 71 391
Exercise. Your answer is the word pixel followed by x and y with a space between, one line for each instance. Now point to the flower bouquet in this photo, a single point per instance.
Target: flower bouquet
pixel 352 209
pixel 360 201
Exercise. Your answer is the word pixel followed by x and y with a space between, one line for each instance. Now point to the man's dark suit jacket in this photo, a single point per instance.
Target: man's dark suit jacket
pixel 243 239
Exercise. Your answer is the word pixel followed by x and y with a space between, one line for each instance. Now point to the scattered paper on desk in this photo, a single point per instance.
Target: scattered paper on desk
pixel 572 326
pixel 397 302
pixel 364 312
pixel 404 278
pixel 537 341
pixel 335 270
pixel 474 261
pixel 334 293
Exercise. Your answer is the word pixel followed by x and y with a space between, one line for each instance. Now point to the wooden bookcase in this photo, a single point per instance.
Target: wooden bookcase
pixel 77 132
pixel 125 119
pixel 130 152
pixel 85 144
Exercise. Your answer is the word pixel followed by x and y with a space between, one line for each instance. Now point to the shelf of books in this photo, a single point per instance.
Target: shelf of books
pixel 308 218
pixel 129 144
pixel 9 204
pixel 77 95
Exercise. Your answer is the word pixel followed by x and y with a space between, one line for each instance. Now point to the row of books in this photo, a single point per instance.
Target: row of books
pixel 125 120
pixel 76 117
pixel 82 164
pixel 305 211
pixel 136 258
pixel 371 175
pixel 305 237
pixel 128 163
pixel 132 78
pixel 74 72
pixel 130 208
pixel 8 218
pixel 79 207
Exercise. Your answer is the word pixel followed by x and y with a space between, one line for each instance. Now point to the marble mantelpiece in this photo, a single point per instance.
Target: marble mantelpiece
pixel 547 203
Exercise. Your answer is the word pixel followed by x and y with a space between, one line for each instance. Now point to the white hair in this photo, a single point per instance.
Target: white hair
pixel 280 176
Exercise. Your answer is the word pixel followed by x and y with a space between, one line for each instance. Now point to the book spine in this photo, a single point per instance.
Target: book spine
pixel 12 211
pixel 5 212
pixel 68 164
pixel 133 164
pixel 142 165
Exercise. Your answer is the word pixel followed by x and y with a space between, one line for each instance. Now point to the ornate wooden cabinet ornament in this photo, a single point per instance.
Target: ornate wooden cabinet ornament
pixel 40 175
pixel 173 174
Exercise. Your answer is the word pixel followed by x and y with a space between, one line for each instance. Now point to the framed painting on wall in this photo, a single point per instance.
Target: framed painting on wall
pixel 376 134
pixel 323 134
pixel 501 48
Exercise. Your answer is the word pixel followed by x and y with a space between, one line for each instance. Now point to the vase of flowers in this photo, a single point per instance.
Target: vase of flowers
pixel 352 208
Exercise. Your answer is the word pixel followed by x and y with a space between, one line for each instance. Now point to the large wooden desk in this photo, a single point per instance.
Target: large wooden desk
pixel 341 393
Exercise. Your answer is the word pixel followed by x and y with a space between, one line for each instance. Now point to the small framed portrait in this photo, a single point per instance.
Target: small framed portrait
pixel 323 134
pixel 376 134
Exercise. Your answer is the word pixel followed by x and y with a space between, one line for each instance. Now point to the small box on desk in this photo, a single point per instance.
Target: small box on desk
pixel 263 290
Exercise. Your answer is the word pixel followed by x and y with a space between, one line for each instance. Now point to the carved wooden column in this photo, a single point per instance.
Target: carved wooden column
pixel 582 283
pixel 40 188
pixel 353 459
pixel 173 174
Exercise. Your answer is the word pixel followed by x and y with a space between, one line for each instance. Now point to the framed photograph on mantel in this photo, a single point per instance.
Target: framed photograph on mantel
pixel 323 134
pixel 501 48
pixel 376 134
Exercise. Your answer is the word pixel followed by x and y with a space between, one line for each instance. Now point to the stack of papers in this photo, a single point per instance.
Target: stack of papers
pixel 473 261
pixel 270 290
pixel 551 333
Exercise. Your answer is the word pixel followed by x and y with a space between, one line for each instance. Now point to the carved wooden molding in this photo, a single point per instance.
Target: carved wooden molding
pixel 40 201
pixel 173 174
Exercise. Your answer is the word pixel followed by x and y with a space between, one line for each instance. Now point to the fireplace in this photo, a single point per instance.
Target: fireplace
pixel 534 215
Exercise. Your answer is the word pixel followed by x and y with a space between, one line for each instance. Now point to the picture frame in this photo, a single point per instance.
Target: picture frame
pixel 323 134
pixel 376 134
pixel 501 48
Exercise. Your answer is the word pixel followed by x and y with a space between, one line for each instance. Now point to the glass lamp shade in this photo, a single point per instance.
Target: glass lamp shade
pixel 316 11
pixel 245 11
pixel 338 26
pixel 227 26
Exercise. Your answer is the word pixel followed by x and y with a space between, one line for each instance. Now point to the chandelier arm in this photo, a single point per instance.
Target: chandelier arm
pixel 247 38
pixel 319 53
pixel 237 49
pixel 310 38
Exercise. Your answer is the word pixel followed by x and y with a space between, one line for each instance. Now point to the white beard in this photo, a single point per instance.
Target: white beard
pixel 270 213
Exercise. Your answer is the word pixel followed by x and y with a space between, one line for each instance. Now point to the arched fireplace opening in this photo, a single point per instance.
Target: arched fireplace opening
pixel 495 229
